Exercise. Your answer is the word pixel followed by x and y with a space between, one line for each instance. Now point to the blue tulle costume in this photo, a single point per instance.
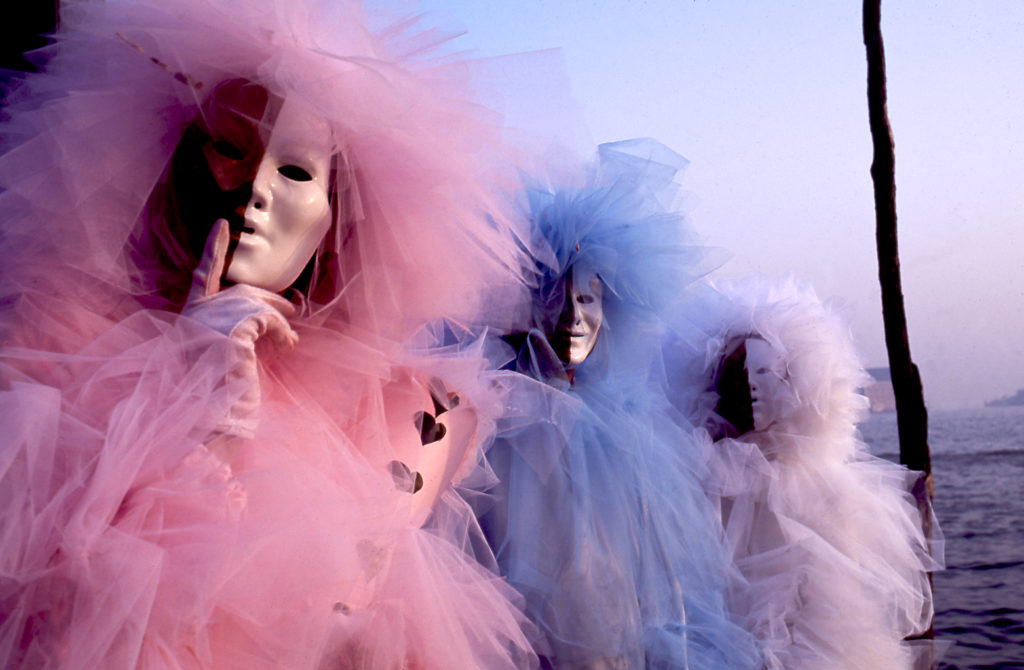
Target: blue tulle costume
pixel 598 517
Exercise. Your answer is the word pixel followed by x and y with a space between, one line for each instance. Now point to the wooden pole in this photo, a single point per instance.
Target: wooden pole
pixel 911 414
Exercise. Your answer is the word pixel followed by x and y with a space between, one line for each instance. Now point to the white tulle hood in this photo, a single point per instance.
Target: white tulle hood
pixel 823 373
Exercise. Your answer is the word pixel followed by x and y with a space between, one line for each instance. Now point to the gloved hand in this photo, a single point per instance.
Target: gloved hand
pixel 245 314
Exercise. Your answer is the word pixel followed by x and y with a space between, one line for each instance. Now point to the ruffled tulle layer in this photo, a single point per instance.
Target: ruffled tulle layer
pixel 132 539
pixel 829 539
pixel 600 521
pixel 139 529
pixel 834 558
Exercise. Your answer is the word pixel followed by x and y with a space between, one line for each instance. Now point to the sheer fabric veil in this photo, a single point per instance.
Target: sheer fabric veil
pixel 135 532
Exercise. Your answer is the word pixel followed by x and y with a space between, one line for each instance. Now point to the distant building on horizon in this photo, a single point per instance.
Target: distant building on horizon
pixel 879 392
pixel 1015 400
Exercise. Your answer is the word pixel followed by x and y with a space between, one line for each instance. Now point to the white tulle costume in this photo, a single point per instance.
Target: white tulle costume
pixel 828 538
pixel 599 518
pixel 178 493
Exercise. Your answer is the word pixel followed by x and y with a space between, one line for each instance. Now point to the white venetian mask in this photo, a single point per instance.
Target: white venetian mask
pixel 583 316
pixel 769 388
pixel 289 211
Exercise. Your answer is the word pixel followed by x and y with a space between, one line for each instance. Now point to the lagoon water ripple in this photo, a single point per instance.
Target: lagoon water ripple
pixel 978 472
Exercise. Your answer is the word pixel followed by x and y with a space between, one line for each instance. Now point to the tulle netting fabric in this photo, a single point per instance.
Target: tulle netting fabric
pixel 598 517
pixel 135 532
pixel 132 540
pixel 828 538
pixel 90 140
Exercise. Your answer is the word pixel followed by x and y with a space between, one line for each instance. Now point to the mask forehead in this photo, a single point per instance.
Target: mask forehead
pixel 762 358
pixel 586 283
pixel 300 136
pixel 297 128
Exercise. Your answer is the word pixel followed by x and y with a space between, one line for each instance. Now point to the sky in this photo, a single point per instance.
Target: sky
pixel 767 101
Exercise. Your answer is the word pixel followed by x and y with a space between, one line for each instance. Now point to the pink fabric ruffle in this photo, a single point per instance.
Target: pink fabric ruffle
pixel 136 532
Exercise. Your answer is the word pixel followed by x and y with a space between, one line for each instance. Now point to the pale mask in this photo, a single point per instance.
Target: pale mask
pixel 584 313
pixel 289 212
pixel 769 388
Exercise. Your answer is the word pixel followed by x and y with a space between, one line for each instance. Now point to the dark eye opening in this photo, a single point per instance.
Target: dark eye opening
pixel 228 150
pixel 584 299
pixel 295 173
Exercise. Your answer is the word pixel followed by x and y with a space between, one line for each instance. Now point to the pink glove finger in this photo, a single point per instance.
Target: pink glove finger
pixel 276 327
pixel 206 276
pixel 268 322
pixel 278 303
pixel 228 309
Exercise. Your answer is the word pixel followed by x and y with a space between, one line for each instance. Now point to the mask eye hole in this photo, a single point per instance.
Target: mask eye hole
pixel 228 150
pixel 295 173
pixel 584 299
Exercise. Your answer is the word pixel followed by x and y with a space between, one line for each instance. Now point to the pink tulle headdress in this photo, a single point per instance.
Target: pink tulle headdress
pixel 90 140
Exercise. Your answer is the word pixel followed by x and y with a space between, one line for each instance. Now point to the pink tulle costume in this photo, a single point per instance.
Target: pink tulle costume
pixel 196 474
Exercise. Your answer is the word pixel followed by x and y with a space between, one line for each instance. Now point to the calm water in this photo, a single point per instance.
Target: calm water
pixel 978 469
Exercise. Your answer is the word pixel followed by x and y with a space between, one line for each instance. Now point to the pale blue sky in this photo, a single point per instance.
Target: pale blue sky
pixel 767 101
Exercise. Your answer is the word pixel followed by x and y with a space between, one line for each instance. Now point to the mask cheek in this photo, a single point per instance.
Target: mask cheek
pixel 783 403
pixel 762 415
pixel 304 250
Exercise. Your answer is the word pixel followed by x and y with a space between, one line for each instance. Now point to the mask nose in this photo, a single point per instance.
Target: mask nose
pixel 577 312
pixel 262 193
